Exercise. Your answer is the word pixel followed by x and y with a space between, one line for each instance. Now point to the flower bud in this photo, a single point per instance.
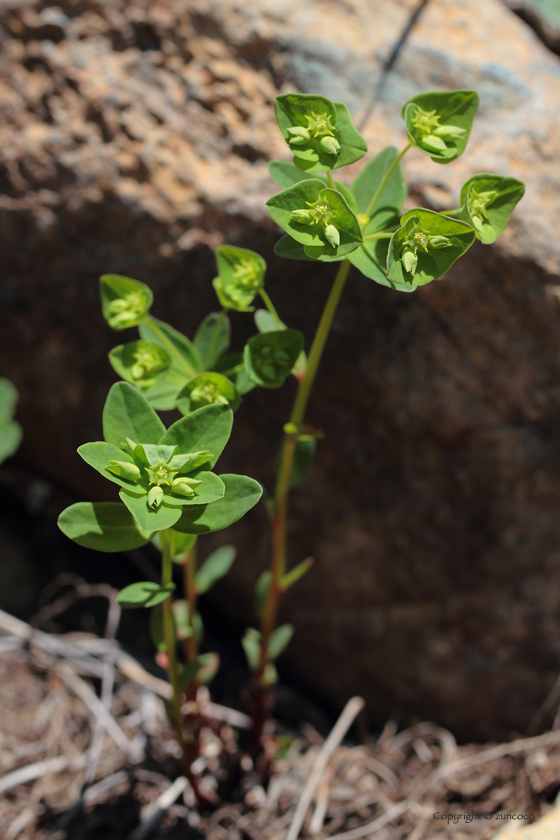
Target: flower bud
pixel 332 235
pixel 439 242
pixel 409 261
pixel 433 143
pixel 155 497
pixel 298 135
pixel 302 217
pixel 184 486
pixel 124 469
pixel 330 145
pixel 449 132
pixel 363 219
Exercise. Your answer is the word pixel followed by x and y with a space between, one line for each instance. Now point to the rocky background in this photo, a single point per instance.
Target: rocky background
pixel 135 138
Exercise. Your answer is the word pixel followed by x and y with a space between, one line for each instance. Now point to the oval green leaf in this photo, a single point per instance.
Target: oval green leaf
pixel 103 526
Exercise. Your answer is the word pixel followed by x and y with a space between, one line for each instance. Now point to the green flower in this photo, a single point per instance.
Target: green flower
pixel 125 302
pixel 439 123
pixel 240 277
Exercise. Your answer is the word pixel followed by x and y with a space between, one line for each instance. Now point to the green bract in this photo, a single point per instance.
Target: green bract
pixel 426 246
pixel 320 133
pixel 487 202
pixel 141 363
pixel 207 389
pixel 10 431
pixel 125 302
pixel 104 526
pixel 270 357
pixel 318 217
pixel 240 277
pixel 439 124
pixel 241 494
pixel 212 339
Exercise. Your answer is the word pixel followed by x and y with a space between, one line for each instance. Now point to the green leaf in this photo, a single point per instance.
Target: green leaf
pixel 266 323
pixel 296 574
pixel 124 302
pixel 141 363
pixel 10 431
pixel 187 674
pixel 207 428
pixel 303 458
pixel 182 543
pixel 328 207
pixel 207 389
pixel 186 359
pixel 318 117
pixel 428 115
pixel 291 250
pixel 371 260
pixel 287 174
pixel 487 202
pixel 391 198
pixel 10 438
pixel 183 629
pixel 262 589
pixel 215 567
pixel 211 487
pixel 144 594
pixel 163 395
pixel 251 642
pixel 208 664
pixel 157 630
pixel 8 400
pixel 241 494
pixel 422 224
pixel 104 526
pixel 148 518
pixel 240 277
pixel 270 357
pixel 279 640
pixel 127 414
pixel 98 454
pixel 212 338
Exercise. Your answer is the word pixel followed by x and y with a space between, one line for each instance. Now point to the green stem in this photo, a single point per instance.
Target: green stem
pixel 330 179
pixel 449 212
pixel 169 628
pixel 278 569
pixel 385 180
pixel 271 308
pixel 170 347
pixel 377 236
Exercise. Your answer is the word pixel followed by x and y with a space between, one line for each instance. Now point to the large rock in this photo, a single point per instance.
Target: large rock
pixel 135 137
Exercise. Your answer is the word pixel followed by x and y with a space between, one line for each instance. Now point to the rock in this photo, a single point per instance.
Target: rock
pixel 135 138
pixel 543 16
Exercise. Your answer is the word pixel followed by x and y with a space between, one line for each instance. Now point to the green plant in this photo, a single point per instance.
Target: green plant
pixel 361 224
pixel 169 494
pixel 10 430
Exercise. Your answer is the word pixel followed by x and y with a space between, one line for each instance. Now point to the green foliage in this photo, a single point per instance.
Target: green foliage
pixel 141 363
pixel 487 202
pixel 251 642
pixel 124 302
pixel 144 594
pixel 426 246
pixel 319 133
pixel 241 494
pixel 104 526
pixel 212 339
pixel 279 640
pixel 439 124
pixel 207 389
pixel 127 414
pixel 214 567
pixel 317 217
pixel 240 277
pixel 10 431
pixel 271 356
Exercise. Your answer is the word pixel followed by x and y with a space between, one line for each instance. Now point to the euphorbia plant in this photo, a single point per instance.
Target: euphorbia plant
pixel 166 477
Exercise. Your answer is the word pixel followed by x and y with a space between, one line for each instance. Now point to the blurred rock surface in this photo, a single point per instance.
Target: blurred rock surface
pixel 134 138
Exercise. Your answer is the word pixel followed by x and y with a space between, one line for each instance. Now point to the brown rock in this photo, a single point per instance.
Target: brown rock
pixel 135 136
